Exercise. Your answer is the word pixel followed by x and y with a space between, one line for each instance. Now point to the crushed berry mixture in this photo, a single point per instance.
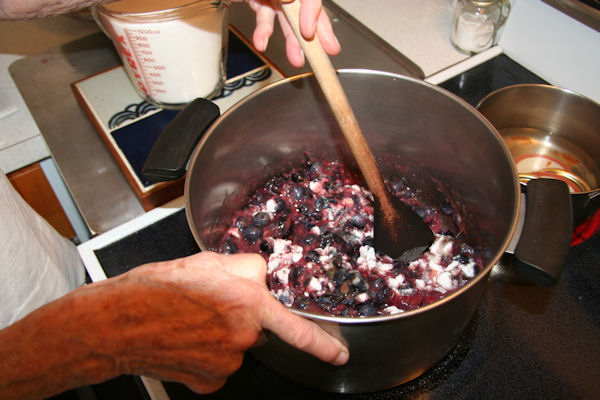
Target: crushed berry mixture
pixel 314 227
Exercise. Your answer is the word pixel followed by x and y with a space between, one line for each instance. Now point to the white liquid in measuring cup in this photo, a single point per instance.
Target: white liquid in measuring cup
pixel 174 60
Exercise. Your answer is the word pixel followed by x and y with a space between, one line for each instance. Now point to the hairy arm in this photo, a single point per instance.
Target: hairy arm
pixel 188 320
pixel 29 9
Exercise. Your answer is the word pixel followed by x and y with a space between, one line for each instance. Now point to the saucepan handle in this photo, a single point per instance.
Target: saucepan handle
pixel 169 156
pixel 544 243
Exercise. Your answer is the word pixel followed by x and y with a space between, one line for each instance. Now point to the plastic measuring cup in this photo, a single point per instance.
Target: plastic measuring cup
pixel 173 50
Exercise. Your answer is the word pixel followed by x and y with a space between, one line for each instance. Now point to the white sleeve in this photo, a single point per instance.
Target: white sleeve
pixel 37 264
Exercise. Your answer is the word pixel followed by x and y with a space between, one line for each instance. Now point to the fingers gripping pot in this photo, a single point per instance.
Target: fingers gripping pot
pixel 553 135
pixel 420 122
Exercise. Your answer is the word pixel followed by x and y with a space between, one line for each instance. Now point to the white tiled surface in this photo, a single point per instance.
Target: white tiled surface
pixel 21 142
pixel 419 29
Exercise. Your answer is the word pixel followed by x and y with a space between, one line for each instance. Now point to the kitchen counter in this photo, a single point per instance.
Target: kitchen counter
pixel 418 29
pixel 21 142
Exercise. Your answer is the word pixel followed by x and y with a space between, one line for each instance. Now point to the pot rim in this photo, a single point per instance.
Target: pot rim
pixel 483 274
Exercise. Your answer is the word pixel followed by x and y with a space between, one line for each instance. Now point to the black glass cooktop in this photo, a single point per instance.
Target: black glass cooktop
pixel 501 71
pixel 523 342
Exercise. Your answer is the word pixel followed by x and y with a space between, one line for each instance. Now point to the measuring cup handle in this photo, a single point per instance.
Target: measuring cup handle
pixel 546 237
pixel 169 156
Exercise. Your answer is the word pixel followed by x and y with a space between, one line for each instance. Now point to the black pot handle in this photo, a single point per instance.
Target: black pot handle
pixel 169 156
pixel 546 237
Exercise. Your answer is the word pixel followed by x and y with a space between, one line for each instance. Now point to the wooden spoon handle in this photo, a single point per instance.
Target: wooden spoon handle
pixel 337 100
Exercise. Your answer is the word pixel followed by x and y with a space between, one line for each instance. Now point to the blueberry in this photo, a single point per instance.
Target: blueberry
pixel 309 239
pixel 297 177
pixel 378 283
pixel 327 301
pixel 260 218
pixel 348 300
pixel 340 276
pixel 315 167
pixel 315 216
pixel 327 238
pixel 295 274
pixel 397 186
pixel 241 222
pixel 384 295
pixel 280 206
pixel 274 185
pixel 447 208
pixel 367 309
pixel 369 241
pixel 462 258
pixel 252 233
pixel 360 283
pixel 350 250
pixel 358 221
pixel 265 246
pixel 468 249
pixel 228 247
pixel 284 228
pixel 301 303
pixel 312 256
pixel 338 261
pixel 298 192
pixel 346 312
pixel 303 208
pixel 321 203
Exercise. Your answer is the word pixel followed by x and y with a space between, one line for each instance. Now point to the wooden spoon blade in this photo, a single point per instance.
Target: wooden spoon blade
pixel 400 232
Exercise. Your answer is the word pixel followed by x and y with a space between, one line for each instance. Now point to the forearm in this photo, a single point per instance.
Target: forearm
pixel 56 348
pixel 28 9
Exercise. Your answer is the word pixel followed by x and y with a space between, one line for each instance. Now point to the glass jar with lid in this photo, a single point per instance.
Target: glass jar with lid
pixel 476 24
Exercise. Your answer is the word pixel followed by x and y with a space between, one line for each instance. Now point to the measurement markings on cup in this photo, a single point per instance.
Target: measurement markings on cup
pixel 147 71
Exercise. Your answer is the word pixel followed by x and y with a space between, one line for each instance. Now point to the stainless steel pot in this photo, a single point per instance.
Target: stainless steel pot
pixel 553 135
pixel 551 132
pixel 401 116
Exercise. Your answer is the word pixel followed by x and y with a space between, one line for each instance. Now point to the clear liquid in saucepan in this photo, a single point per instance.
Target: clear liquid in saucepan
pixel 543 154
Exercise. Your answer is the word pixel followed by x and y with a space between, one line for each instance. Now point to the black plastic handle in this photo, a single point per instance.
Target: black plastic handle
pixel 169 156
pixel 546 237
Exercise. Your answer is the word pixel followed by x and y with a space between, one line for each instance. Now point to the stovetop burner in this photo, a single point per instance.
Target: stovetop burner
pixel 523 342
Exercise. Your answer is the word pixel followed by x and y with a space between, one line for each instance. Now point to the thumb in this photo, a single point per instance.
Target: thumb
pixel 302 333
pixel 248 266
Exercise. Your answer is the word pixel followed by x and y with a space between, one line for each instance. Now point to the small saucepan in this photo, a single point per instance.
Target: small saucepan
pixel 553 135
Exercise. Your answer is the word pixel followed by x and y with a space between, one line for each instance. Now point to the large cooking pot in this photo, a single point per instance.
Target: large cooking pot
pixel 399 116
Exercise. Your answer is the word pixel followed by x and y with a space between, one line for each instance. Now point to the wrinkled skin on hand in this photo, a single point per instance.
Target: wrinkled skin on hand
pixel 188 320
pixel 204 312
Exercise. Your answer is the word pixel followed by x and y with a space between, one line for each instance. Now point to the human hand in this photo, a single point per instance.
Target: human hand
pixel 189 320
pixel 192 319
pixel 313 20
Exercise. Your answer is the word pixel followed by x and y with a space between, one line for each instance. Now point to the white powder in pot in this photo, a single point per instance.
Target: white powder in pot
pixel 173 60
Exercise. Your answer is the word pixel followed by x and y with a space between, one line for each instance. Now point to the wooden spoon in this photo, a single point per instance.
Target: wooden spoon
pixel 398 231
